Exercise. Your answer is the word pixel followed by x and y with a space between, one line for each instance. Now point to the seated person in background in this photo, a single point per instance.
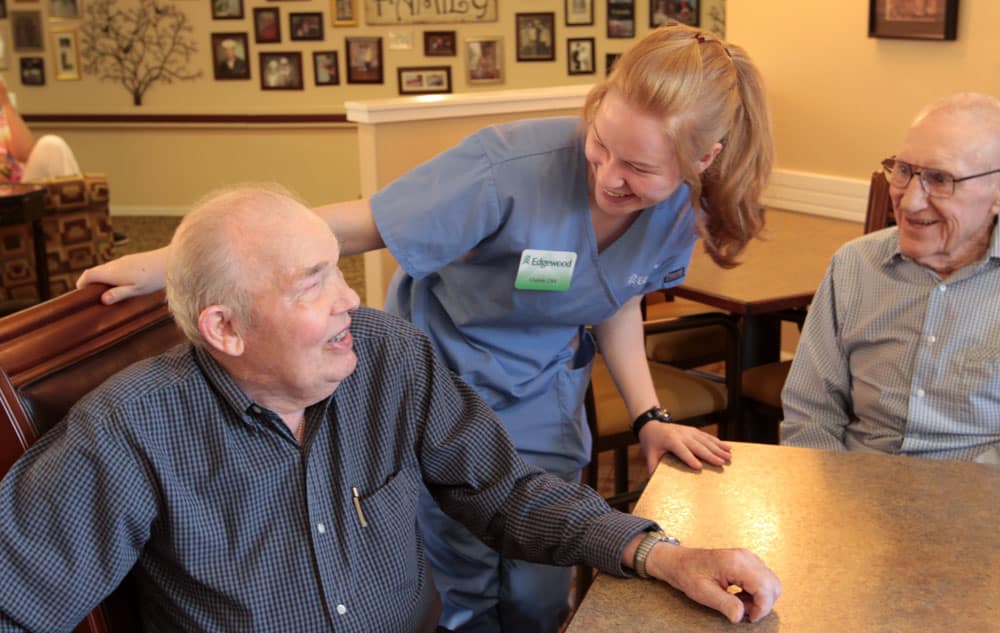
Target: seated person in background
pixel 266 475
pixel 21 157
pixel 901 350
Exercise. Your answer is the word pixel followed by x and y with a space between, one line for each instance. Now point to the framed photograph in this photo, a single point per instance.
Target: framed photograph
pixel 424 80
pixel 364 60
pixel 484 60
pixel 621 18
pixel 305 26
pixel 399 40
pixel 580 56
pixel 227 9
pixel 32 71
pixel 326 68
pixel 905 19
pixel 609 61
pixel 66 51
pixel 68 9
pixel 27 28
pixel 579 12
pixel 536 36
pixel 229 56
pixel 266 25
pixel 439 43
pixel 683 11
pixel 344 12
pixel 3 8
pixel 281 71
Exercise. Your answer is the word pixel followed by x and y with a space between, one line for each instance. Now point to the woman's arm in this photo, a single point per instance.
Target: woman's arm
pixel 143 273
pixel 622 343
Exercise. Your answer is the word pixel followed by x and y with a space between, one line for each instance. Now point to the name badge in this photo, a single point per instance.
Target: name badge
pixel 545 270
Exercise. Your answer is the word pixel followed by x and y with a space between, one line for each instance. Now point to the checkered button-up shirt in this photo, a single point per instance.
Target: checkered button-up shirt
pixel 895 359
pixel 169 471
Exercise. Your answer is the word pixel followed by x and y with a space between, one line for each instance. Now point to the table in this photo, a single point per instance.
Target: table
pixel 780 272
pixel 861 542
pixel 25 204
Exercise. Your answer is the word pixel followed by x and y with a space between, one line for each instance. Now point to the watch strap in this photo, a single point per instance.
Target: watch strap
pixel 646 546
pixel 653 413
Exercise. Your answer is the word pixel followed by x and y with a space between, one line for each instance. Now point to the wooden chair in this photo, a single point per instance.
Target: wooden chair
pixel 51 355
pixel 761 386
pixel 692 399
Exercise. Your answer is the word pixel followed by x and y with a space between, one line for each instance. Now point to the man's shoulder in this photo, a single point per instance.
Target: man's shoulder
pixel 144 381
pixel 872 249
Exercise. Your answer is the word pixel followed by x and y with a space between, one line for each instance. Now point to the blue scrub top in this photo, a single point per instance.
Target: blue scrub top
pixel 458 224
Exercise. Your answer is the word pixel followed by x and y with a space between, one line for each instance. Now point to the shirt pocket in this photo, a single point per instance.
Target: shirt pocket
pixel 979 386
pixel 389 530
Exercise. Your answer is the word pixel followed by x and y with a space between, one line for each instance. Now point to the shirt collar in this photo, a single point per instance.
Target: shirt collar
pixel 242 404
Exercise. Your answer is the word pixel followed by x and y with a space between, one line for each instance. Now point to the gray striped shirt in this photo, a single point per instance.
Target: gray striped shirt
pixel 895 360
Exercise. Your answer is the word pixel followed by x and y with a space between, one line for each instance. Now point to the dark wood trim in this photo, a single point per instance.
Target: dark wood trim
pixel 252 119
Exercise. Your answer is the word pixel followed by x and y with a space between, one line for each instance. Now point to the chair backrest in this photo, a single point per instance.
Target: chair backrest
pixel 50 356
pixel 879 214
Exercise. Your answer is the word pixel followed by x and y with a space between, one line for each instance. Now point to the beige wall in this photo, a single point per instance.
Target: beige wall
pixel 162 168
pixel 841 100
pixel 206 95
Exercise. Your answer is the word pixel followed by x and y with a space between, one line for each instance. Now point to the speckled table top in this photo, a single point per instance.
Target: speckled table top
pixel 862 543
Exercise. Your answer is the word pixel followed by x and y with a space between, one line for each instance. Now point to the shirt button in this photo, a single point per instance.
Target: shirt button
pixel 255 409
pixel 341 609
pixel 942 287
pixel 321 528
pixel 931 339
pixel 921 393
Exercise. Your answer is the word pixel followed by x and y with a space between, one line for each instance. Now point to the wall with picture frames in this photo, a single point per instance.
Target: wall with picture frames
pixel 307 56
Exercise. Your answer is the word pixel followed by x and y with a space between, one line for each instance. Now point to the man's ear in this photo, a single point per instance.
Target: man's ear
pixel 217 328
pixel 706 160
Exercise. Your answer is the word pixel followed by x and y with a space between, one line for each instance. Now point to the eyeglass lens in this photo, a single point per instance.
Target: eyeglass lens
pixel 933 181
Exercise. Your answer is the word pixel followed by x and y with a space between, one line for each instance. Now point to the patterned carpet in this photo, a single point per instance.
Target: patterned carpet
pixel 149 232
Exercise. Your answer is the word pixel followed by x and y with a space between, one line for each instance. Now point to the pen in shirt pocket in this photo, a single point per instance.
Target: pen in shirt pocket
pixel 357 507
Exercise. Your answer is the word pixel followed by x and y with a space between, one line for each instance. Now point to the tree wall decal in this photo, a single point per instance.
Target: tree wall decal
pixel 137 46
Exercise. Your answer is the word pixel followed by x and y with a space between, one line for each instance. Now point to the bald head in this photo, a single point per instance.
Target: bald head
pixel 975 113
pixel 226 246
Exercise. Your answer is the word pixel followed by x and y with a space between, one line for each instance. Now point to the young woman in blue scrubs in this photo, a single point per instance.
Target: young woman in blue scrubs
pixel 513 242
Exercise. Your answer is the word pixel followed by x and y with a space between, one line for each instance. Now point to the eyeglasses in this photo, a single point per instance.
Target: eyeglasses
pixel 936 183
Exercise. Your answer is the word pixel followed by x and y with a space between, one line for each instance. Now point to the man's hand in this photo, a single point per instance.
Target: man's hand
pixel 129 276
pixel 705 575
pixel 656 439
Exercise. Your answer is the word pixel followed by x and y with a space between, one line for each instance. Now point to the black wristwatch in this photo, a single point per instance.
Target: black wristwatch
pixel 655 413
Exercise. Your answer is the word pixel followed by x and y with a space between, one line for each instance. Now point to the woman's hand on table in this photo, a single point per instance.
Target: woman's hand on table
pixel 692 446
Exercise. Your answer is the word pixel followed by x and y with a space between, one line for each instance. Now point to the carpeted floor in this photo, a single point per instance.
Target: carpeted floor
pixel 149 232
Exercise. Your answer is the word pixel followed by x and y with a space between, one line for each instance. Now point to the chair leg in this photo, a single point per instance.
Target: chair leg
pixel 621 470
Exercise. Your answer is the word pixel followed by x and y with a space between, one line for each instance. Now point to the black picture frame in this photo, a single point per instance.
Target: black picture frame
pixel 3 8
pixel 326 68
pixel 364 60
pixel 609 61
pixel 305 26
pixel 683 11
pixel 536 36
pixel 579 12
pixel 227 9
pixel 621 19
pixel 266 25
pixel 896 20
pixel 32 71
pixel 281 70
pixel 230 56
pixel 581 57
pixel 424 80
pixel 439 44
pixel 27 30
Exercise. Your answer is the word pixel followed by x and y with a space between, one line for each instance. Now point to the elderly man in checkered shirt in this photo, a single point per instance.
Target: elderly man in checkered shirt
pixel 264 476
